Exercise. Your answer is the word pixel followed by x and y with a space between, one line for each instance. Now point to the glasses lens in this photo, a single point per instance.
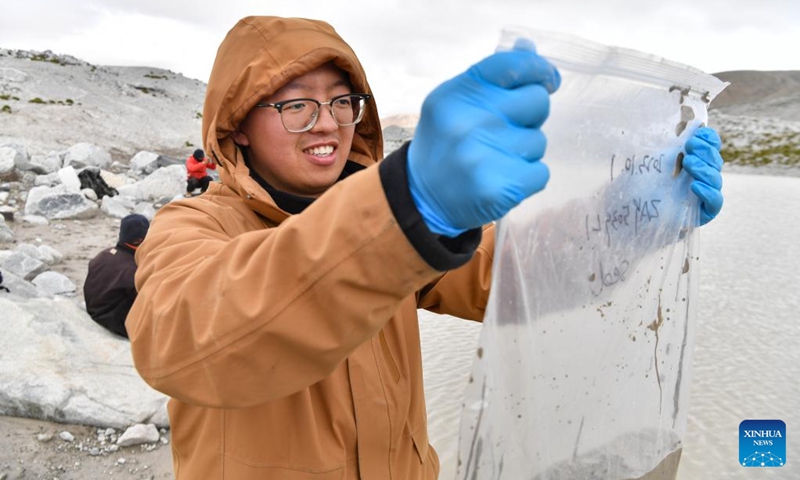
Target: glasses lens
pixel 298 115
pixel 301 115
pixel 348 109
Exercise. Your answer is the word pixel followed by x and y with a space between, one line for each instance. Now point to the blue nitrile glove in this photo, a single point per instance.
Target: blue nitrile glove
pixel 704 163
pixel 476 150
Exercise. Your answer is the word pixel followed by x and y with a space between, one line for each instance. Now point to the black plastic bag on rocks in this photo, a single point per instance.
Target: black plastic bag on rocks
pixel 92 179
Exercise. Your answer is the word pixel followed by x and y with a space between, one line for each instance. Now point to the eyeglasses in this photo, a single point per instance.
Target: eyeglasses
pixel 301 114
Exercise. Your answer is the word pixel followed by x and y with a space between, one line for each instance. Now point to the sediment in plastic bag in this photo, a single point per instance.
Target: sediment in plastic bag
pixel 584 357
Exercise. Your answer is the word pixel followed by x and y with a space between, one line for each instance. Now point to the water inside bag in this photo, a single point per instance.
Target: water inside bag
pixel 583 365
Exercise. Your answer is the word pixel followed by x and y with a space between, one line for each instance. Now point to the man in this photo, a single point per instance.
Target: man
pixel 197 177
pixel 109 289
pixel 303 358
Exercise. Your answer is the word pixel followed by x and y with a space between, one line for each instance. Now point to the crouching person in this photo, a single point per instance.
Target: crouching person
pixel 109 289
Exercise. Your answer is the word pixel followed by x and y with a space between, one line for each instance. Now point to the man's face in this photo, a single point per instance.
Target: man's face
pixel 305 163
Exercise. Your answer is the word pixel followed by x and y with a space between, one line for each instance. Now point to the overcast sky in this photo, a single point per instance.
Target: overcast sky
pixel 409 46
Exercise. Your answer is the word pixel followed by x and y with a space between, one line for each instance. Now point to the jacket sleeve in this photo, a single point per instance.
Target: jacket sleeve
pixel 232 318
pixel 464 291
pixel 194 167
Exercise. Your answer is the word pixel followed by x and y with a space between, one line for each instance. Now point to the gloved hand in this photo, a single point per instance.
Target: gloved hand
pixel 476 150
pixel 704 164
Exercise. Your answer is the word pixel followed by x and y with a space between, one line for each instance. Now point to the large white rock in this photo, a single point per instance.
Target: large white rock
pixel 146 209
pixel 48 252
pixel 144 161
pixel 59 203
pixel 23 265
pixel 47 179
pixel 69 178
pixel 34 251
pixel 21 159
pixel 57 364
pixel 115 206
pixel 113 180
pixel 46 163
pixel 17 286
pixel 87 155
pixel 54 283
pixel 166 182
pixel 9 157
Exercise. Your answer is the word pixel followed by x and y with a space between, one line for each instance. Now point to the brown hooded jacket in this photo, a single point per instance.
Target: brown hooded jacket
pixel 289 343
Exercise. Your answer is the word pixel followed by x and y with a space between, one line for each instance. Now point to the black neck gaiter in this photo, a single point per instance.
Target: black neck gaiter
pixel 289 202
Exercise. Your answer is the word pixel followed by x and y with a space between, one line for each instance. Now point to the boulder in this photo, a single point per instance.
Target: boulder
pixel 83 155
pixel 115 207
pixel 54 283
pixel 59 203
pixel 69 178
pixel 47 180
pixel 57 364
pixel 166 182
pixel 145 209
pixel 34 252
pixel 17 286
pixel 8 161
pixel 23 265
pixel 144 162
pixel 43 164
pixel 114 180
pixel 48 252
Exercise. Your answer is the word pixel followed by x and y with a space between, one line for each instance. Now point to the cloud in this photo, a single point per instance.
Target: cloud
pixel 409 46
pixel 24 22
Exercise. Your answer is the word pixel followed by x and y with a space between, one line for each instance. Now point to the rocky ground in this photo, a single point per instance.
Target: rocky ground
pixel 48 101
pixel 33 449
pixel 78 240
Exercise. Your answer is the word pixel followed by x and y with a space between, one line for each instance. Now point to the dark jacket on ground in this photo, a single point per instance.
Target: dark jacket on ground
pixel 109 289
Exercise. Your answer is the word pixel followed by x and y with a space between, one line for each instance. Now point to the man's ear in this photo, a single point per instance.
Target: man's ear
pixel 240 138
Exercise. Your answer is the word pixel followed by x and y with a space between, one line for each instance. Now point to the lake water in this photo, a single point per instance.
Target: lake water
pixel 747 347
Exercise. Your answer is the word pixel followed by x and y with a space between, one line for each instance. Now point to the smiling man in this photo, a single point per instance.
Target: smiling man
pixel 305 165
pixel 279 309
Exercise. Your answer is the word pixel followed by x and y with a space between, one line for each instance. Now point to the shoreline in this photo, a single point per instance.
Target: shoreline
pixel 770 170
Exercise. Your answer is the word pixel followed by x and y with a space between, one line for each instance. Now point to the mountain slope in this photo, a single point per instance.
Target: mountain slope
pixel 758 117
pixel 50 102
pixel 767 94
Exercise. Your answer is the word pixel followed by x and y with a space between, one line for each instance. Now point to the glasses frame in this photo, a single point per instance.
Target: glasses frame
pixel 365 97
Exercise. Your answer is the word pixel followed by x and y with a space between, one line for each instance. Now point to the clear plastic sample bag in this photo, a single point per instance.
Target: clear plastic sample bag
pixel 583 366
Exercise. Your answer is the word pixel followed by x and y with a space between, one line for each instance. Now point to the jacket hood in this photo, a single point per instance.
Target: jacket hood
pixel 257 57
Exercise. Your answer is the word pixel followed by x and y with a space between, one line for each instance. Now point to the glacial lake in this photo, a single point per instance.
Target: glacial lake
pixel 746 361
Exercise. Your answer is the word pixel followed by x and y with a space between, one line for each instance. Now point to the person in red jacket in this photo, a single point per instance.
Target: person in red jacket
pixel 197 177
